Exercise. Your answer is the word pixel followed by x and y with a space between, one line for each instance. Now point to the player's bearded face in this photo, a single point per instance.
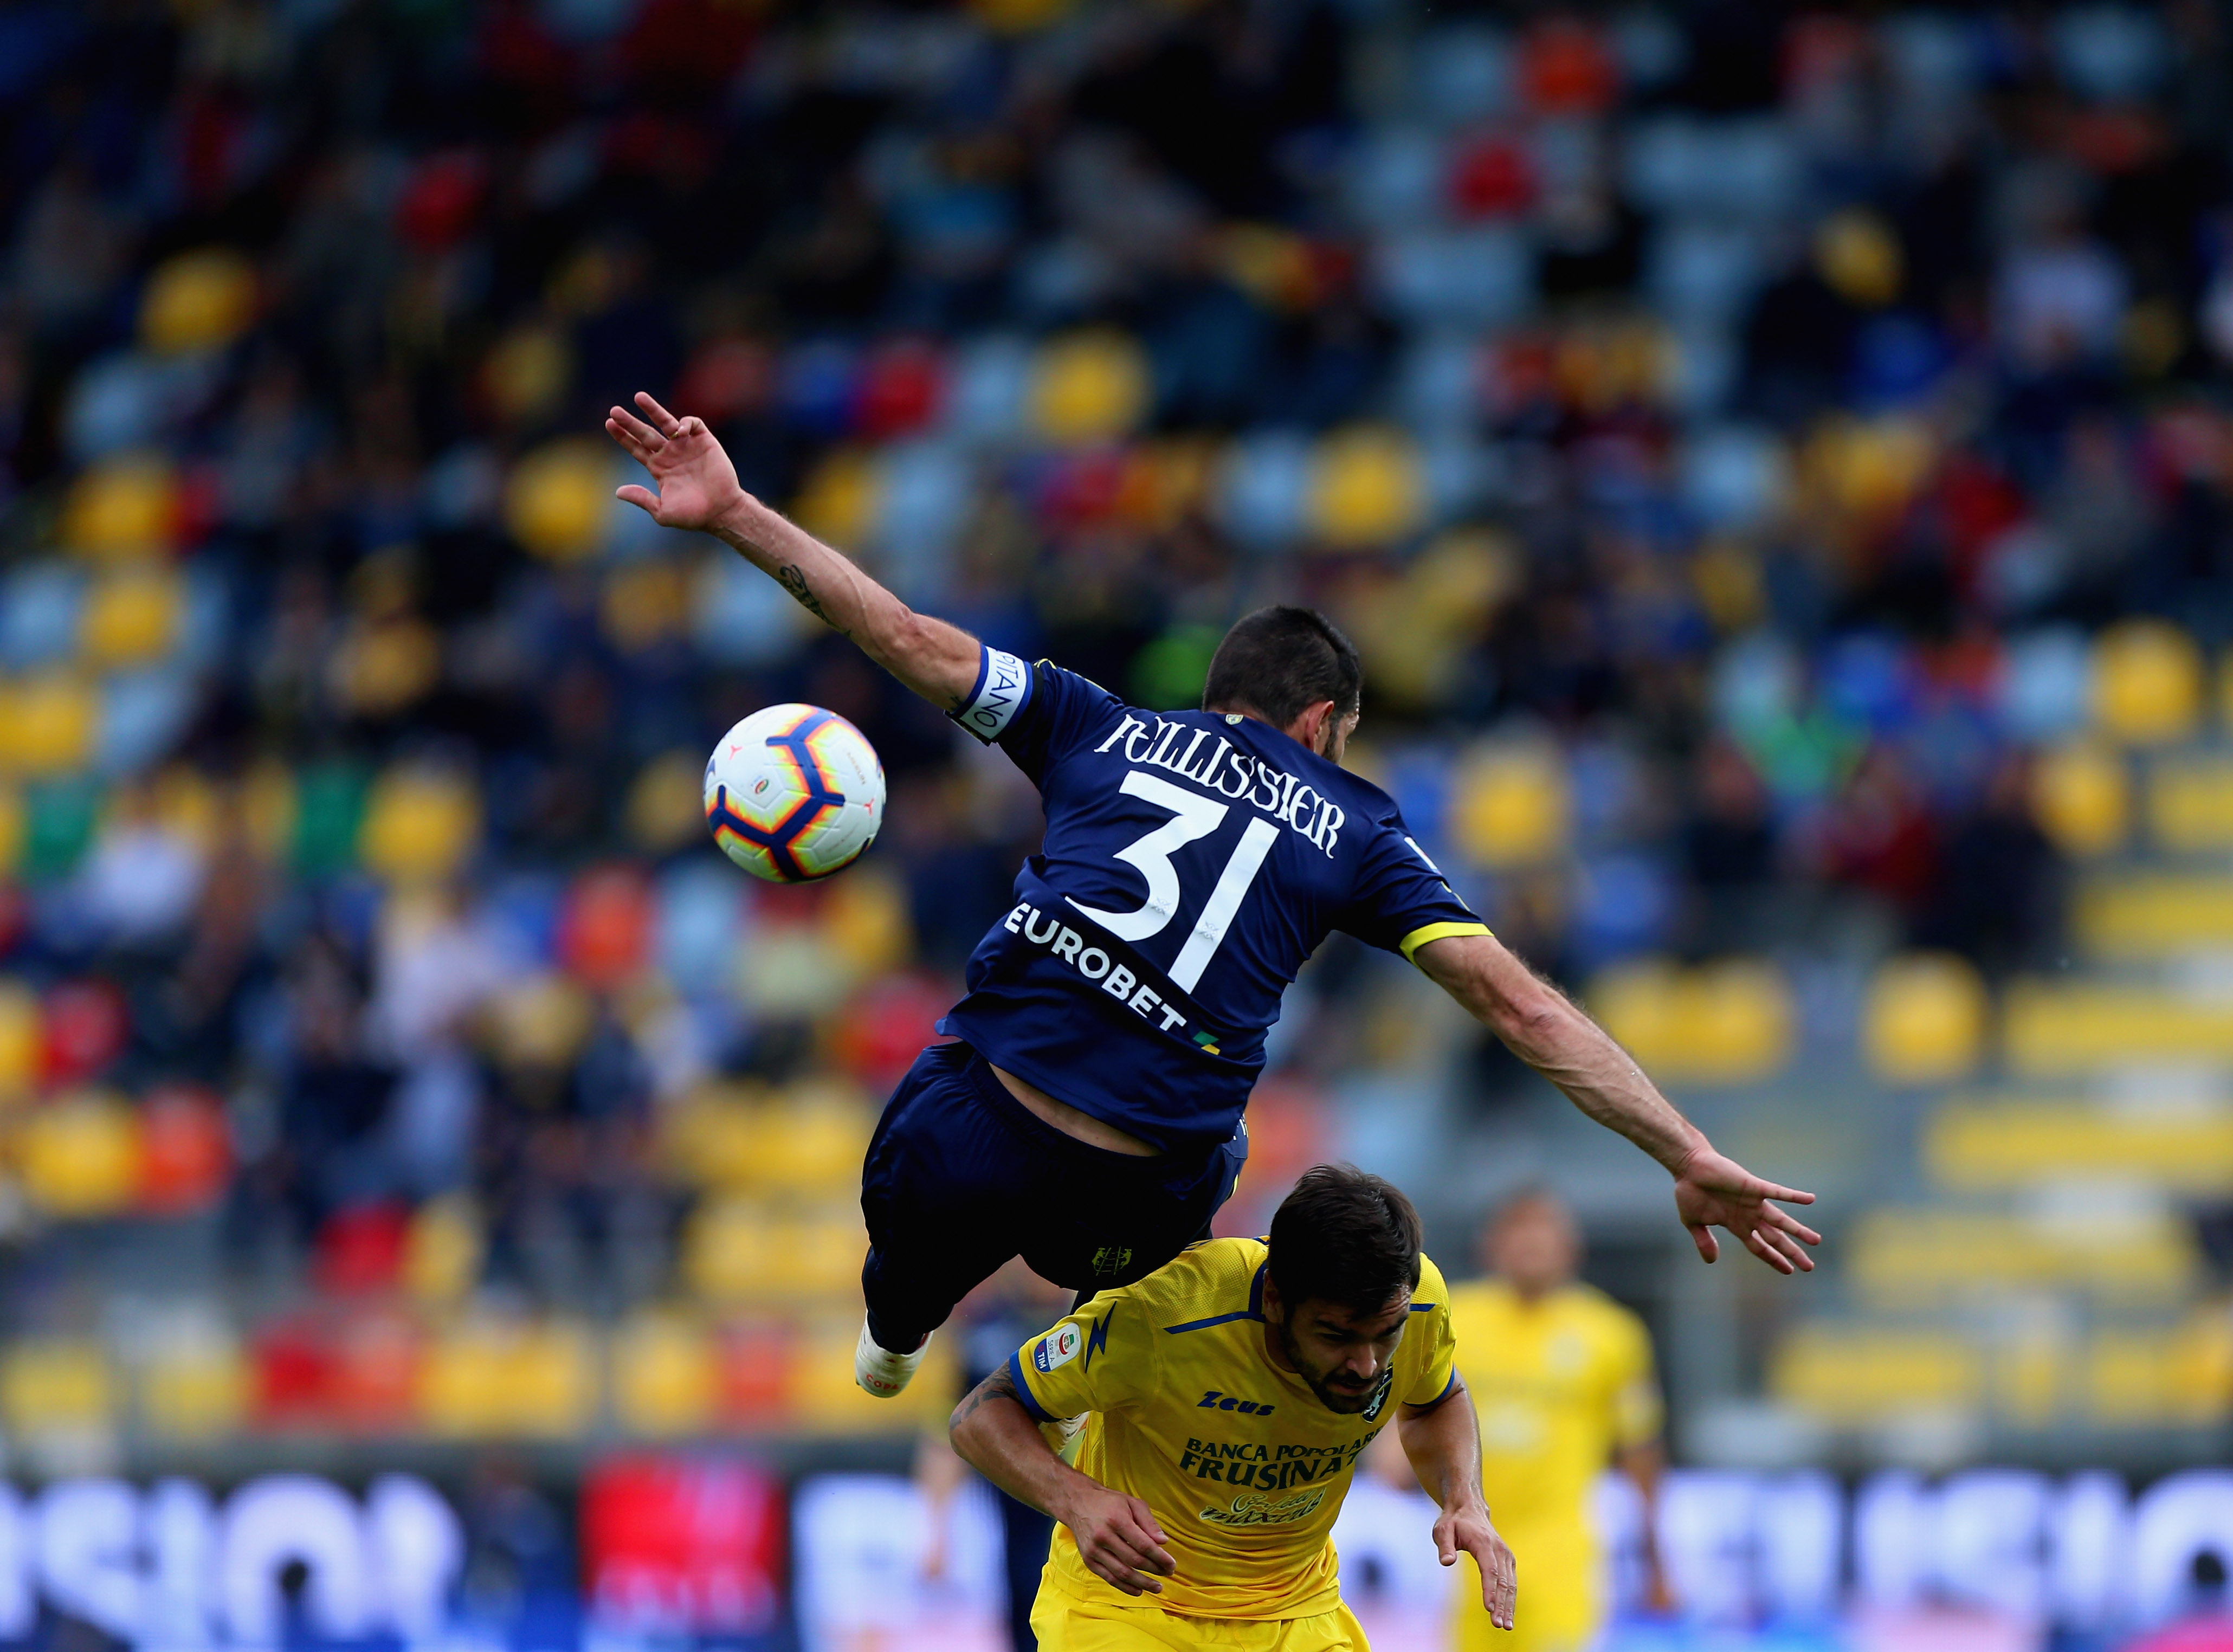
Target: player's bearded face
pixel 1342 1355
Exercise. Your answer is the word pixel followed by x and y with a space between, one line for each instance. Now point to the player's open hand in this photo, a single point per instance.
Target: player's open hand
pixel 1712 1190
pixel 697 483
pixel 1468 1531
pixel 1118 1540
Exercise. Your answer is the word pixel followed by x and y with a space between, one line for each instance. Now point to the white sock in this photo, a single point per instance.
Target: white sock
pixel 880 1372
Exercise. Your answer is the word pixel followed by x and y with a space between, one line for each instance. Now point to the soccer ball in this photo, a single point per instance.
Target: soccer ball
pixel 794 793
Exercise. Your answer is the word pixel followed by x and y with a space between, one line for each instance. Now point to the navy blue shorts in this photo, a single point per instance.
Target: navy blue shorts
pixel 962 1176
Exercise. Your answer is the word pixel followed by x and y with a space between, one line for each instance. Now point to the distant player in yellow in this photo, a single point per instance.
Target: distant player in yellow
pixel 1232 1392
pixel 1562 1380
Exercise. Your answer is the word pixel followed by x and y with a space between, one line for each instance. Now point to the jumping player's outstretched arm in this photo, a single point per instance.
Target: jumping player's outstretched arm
pixel 1443 1443
pixel 697 490
pixel 1573 1052
pixel 1117 1536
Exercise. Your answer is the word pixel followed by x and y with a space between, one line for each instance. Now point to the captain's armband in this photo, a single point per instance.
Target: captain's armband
pixel 1003 688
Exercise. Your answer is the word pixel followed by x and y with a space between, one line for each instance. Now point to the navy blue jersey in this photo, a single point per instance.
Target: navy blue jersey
pixel 1192 861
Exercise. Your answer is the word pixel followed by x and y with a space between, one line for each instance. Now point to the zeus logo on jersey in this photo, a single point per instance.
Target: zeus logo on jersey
pixel 1217 1400
pixel 1275 792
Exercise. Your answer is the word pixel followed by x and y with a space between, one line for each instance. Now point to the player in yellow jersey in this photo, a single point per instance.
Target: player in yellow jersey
pixel 1232 1392
pixel 1561 1376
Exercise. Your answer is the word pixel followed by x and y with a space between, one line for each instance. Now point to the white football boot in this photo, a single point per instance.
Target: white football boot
pixel 880 1373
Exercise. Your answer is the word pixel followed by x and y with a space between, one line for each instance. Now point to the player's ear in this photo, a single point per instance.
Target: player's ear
pixel 1275 1311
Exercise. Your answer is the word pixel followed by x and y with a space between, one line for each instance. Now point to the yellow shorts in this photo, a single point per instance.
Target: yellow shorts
pixel 1560 1606
pixel 1066 1623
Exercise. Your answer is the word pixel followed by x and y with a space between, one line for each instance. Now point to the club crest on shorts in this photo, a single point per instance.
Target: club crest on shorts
pixel 1112 1258
pixel 1058 1347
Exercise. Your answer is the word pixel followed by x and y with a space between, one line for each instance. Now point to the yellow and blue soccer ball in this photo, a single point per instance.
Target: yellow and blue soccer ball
pixel 794 793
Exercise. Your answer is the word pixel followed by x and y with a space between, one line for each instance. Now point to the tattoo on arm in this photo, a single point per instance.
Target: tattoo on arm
pixel 995 1386
pixel 791 580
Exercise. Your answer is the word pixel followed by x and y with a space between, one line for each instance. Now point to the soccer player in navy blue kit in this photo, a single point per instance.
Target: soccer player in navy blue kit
pixel 1088 1115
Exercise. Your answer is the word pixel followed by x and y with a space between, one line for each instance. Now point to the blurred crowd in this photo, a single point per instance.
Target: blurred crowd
pixel 1723 429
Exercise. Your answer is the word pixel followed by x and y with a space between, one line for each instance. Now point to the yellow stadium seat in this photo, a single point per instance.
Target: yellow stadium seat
pixel 198 301
pixel 665 1376
pixel 130 618
pixel 81 1156
pixel 1925 1020
pixel 1909 1259
pixel 1859 1374
pixel 1979 1148
pixel 558 501
pixel 526 372
pixel 49 722
pixel 541 1021
pixel 2147 683
pixel 2155 915
pixel 2190 805
pixel 814 1152
pixel 380 666
pixel 1367 489
pixel 867 921
pixel 484 1379
pixel 1722 1024
pixel 21 1034
pixel 743 1250
pixel 1869 467
pixel 665 810
pixel 823 1397
pixel 123 509
pixel 1511 806
pixel 442 1251
pixel 2050 1030
pixel 55 1383
pixel 644 604
pixel 1090 387
pixel 420 824
pixel 2081 798
pixel 842 498
pixel 710 1138
pixel 193 1388
pixel 2032 1376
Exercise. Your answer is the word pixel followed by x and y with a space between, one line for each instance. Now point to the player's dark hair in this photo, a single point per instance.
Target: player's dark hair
pixel 1346 1238
pixel 1279 661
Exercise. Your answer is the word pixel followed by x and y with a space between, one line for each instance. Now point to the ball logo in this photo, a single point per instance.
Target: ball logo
pixel 1058 1347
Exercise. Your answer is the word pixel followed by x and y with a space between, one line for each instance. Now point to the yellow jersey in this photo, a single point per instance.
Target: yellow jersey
pixel 1559 1384
pixel 1244 1466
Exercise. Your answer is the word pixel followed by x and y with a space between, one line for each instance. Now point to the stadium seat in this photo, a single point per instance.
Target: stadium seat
pixel 122 509
pixel 1090 386
pixel 50 720
pixel 1925 1020
pixel 489 1379
pixel 1512 806
pixel 442 1251
pixel 2147 683
pixel 2189 803
pixel 384 667
pixel 52 1384
pixel 738 1250
pixel 540 1021
pixel 665 812
pixel 23 1036
pixel 755 1360
pixel 185 1151
pixel 79 1157
pixel 420 824
pixel 1911 1258
pixel 2050 1030
pixel 193 1387
pixel 866 921
pixel 1367 489
pixel 130 618
pixel 842 498
pixel 2154 916
pixel 1848 1374
pixel 1979 1147
pixel 1721 1024
pixel 665 1377
pixel 2152 1379
pixel 198 301
pixel 373 1381
pixel 558 500
pixel 811 1149
pixel 823 1399
pixel 2081 799
pixel 605 924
